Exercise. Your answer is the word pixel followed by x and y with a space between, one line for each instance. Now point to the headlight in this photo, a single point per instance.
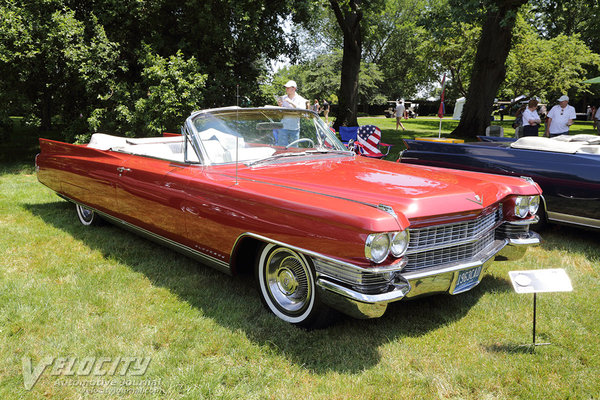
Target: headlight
pixel 399 243
pixel 534 204
pixel 377 247
pixel 522 206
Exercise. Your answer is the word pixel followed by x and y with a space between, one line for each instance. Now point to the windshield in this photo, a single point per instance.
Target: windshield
pixel 254 135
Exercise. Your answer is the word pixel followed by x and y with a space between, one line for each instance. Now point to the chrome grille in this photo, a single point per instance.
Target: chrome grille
pixel 422 239
pixel 447 255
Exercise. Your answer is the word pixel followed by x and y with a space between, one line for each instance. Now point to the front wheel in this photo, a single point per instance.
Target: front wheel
pixel 287 286
pixel 87 216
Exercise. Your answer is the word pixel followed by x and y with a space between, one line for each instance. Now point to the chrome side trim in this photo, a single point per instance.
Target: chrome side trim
pixel 396 266
pixel 180 248
pixel 573 219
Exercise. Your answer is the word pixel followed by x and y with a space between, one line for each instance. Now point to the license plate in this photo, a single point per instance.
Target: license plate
pixel 467 279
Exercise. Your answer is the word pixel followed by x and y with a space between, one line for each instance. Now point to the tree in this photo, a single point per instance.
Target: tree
pixel 568 17
pixel 320 79
pixel 397 41
pixel 348 15
pixel 535 65
pixel 170 89
pixel 46 55
pixel 452 49
pixel 67 58
pixel 489 68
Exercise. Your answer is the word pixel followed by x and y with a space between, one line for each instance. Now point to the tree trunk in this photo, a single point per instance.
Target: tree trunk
pixel 349 22
pixel 489 69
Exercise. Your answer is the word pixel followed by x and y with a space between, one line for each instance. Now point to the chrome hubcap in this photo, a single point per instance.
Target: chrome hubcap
pixel 286 280
pixel 86 214
pixel 287 277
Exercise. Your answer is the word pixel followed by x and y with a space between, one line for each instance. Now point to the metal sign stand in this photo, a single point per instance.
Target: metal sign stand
pixel 534 323
pixel 538 281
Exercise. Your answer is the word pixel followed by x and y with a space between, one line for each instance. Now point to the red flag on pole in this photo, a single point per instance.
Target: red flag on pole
pixel 442 107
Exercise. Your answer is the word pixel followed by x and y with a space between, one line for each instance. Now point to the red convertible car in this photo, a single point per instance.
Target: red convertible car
pixel 272 190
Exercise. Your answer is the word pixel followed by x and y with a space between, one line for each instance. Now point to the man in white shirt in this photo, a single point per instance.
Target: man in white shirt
pixel 560 118
pixel 400 109
pixel 291 125
pixel 597 119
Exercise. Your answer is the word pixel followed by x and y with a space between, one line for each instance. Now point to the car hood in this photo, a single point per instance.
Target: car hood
pixel 412 190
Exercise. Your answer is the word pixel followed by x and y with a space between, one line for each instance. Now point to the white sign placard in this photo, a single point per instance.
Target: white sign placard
pixel 540 280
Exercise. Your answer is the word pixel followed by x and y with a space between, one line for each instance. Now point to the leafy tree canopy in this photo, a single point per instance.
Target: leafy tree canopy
pixel 536 65
pixel 320 79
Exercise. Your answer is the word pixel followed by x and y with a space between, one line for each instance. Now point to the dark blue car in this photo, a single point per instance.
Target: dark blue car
pixel 567 169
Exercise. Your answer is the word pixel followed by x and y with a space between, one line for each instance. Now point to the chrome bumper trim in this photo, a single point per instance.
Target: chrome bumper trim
pixel 356 304
pixel 421 283
pixel 528 239
pixel 529 221
pixel 397 293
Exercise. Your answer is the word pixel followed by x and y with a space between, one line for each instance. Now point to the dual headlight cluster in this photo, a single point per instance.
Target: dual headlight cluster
pixel 379 245
pixel 526 205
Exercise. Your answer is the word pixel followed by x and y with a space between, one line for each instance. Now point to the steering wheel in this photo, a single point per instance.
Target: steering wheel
pixel 301 140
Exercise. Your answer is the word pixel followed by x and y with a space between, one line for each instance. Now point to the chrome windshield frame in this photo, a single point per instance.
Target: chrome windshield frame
pixel 192 134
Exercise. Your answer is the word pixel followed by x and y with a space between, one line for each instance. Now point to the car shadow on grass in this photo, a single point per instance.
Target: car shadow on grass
pixel 348 346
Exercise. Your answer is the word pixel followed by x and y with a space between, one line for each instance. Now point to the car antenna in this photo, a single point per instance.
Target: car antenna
pixel 237 138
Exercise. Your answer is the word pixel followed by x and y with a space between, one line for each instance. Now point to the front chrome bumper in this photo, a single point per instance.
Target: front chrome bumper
pixel 421 283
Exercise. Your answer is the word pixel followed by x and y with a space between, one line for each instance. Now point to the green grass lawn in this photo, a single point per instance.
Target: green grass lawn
pixel 71 291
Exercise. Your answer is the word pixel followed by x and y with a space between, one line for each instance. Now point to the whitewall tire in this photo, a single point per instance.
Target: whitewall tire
pixel 286 282
pixel 87 217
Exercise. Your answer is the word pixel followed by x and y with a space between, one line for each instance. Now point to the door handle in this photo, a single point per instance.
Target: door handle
pixel 123 169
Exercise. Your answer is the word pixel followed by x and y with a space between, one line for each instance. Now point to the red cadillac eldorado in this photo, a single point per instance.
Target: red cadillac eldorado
pixel 272 190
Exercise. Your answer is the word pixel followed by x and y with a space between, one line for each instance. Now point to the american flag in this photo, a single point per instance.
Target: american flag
pixel 368 137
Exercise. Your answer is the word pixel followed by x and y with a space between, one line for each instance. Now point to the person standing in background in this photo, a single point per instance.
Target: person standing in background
pixel 326 111
pixel 316 107
pixel 291 125
pixel 560 118
pixel 531 119
pixel 597 119
pixel 399 114
pixel 518 123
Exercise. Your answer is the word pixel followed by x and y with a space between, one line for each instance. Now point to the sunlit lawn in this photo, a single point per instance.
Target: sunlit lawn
pixel 71 291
